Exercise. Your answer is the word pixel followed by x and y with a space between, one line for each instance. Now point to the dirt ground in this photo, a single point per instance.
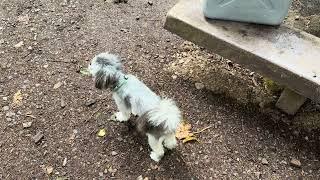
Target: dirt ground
pixel 44 44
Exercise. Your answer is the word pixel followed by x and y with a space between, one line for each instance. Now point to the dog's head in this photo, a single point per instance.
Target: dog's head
pixel 105 68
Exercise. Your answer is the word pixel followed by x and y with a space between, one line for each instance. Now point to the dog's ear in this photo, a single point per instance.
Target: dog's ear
pixel 100 80
pixel 104 80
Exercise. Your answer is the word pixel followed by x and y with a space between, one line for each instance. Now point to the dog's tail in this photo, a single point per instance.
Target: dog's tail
pixel 166 114
pixel 164 118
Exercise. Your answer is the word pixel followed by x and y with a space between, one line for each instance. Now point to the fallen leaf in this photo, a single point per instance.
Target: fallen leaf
pixel 56 86
pixel 17 98
pixel 190 138
pixel 84 71
pixel 102 133
pixel 183 131
pixel 49 169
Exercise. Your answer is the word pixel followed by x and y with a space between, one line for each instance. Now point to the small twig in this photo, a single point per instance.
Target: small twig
pixel 202 130
pixel 29 115
pixel 58 61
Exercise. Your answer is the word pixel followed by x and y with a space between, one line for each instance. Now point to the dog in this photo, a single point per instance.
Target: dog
pixel 158 118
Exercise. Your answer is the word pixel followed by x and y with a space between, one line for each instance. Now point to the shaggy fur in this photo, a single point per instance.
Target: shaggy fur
pixel 158 117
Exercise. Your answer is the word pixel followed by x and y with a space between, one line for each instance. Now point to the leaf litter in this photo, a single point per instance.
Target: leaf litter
pixel 17 98
pixel 185 134
pixel 102 133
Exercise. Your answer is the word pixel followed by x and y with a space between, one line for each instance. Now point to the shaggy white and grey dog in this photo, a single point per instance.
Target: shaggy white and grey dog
pixel 158 117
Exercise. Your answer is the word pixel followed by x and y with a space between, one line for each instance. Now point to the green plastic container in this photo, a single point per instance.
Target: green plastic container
pixel 270 12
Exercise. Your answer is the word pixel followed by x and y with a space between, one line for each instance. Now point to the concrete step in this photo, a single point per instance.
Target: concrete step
pixel 288 56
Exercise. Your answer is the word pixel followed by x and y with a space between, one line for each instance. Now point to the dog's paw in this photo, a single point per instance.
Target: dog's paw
pixel 170 144
pixel 154 156
pixel 120 117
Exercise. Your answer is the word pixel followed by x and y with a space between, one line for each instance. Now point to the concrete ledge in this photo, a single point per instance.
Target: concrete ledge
pixel 288 56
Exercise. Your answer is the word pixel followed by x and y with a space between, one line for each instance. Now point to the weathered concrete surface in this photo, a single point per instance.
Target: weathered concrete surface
pixel 290 102
pixel 288 56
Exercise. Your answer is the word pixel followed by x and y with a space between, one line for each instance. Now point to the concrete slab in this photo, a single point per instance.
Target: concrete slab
pixel 289 56
pixel 290 102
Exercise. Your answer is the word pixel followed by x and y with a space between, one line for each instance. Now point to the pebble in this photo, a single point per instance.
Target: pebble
pixel 62 103
pixel 10 114
pixel 37 138
pixel 57 85
pixel 258 175
pixel 229 63
pixel 264 161
pixel 27 124
pixel 111 170
pixel 64 162
pixel 49 169
pixel 295 163
pixel 20 44
pixel 139 177
pixel 90 102
pixel 100 173
pixel 113 153
pixel 174 77
pixel 5 108
pixel 199 86
pixel 5 98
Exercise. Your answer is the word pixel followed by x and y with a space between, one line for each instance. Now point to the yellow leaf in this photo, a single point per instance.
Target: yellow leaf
pixel 183 131
pixel 102 133
pixel 84 71
pixel 17 98
pixel 190 138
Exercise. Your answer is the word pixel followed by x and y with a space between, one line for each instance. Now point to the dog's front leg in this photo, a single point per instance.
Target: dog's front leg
pixel 124 112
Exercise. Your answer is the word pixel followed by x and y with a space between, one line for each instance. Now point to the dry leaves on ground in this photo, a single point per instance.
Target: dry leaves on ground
pixel 102 133
pixel 17 98
pixel 184 133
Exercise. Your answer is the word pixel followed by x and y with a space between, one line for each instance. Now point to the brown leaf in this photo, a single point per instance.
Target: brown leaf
pixel 190 138
pixel 184 130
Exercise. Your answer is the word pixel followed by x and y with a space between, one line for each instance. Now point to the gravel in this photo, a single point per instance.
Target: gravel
pixel 65 36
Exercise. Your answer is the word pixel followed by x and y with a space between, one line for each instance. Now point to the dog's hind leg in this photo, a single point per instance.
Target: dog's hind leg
pixel 156 146
pixel 170 141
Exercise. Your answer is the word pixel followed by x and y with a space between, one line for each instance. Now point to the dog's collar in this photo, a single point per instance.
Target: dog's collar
pixel 121 83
